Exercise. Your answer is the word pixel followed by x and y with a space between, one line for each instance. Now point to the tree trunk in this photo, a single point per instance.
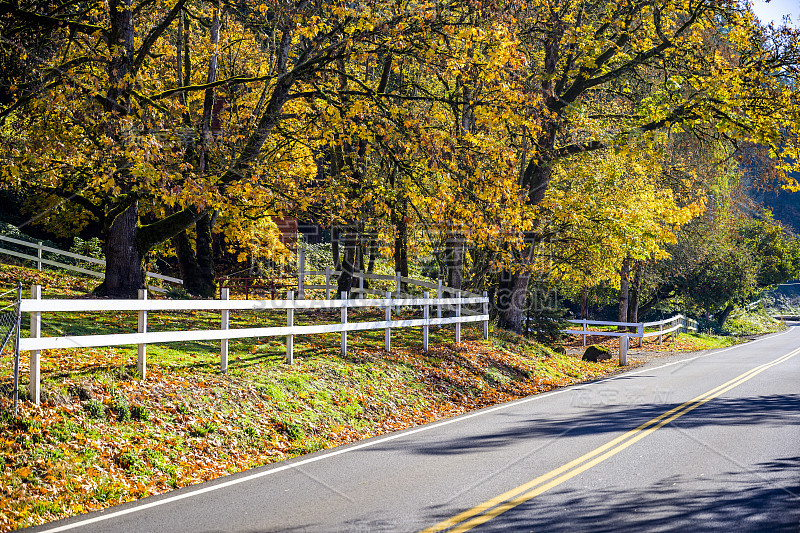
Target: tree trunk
pixel 585 303
pixel 454 260
pixel 401 242
pixel 633 305
pixel 724 315
pixel 345 281
pixel 197 266
pixel 512 294
pixel 623 290
pixel 124 263
pixel 335 233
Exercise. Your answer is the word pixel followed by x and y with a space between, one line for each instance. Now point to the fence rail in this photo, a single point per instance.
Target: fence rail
pixel 40 260
pixel 35 306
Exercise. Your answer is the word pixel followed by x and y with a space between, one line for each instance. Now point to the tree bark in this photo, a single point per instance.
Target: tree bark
pixel 723 317
pixel 197 265
pixel 345 281
pixel 512 292
pixel 454 250
pixel 585 303
pixel 623 290
pixel 124 263
pixel 633 305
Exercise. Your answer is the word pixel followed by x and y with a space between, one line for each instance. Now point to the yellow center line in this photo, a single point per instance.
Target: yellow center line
pixel 514 497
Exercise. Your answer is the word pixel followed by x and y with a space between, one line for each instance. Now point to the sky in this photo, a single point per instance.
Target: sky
pixel 774 11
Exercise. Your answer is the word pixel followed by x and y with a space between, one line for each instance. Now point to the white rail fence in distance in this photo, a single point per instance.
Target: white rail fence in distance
pixel 676 323
pixel 40 260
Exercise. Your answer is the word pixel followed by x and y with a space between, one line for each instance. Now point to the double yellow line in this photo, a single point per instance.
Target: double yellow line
pixel 500 504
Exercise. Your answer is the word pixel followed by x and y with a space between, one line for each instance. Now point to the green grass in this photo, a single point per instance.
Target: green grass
pixel 704 341
pixel 752 323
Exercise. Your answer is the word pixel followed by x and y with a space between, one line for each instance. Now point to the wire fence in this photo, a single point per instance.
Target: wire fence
pixel 9 326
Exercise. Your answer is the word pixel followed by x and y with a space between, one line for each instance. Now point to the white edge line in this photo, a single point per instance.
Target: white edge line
pixel 370 443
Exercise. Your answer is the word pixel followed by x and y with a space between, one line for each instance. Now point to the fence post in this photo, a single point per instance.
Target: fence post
pixel 584 333
pixel 361 285
pixel 344 321
pixel 39 255
pixel 623 350
pixel 486 312
pixel 388 334
pixel 675 322
pixel 35 355
pixel 660 333
pixel 141 364
pixel 327 283
pixel 426 308
pixel 439 293
pixel 290 324
pixel 224 294
pixel 301 274
pixel 458 324
pixel 640 332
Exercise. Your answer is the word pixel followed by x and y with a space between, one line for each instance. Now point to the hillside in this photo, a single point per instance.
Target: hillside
pixel 103 437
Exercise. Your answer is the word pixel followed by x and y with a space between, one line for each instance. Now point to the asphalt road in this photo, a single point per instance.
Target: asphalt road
pixel 707 442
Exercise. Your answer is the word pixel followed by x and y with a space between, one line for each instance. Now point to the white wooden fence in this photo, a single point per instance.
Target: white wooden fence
pixel 35 306
pixel 40 260
pixel 361 279
pixel 676 323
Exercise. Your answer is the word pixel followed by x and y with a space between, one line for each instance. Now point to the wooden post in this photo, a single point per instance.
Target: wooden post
pixel 290 323
pixel 36 331
pixel 141 363
pixel 224 294
pixel 301 274
pixel 660 333
pixel 327 283
pixel 439 293
pixel 675 322
pixel 361 285
pixel 426 308
pixel 344 321
pixel 39 255
pixel 623 350
pixel 640 332
pixel 458 324
pixel 486 312
pixel 584 333
pixel 388 332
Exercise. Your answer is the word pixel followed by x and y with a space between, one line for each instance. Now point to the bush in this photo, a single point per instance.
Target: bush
pixel 95 409
pixel 755 323
pixel 140 412
pixel 123 409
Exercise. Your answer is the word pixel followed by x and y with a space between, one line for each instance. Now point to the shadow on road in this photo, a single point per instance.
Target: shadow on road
pixel 768 410
pixel 677 503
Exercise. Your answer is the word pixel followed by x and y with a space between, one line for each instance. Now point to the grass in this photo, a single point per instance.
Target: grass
pixel 757 322
pixel 102 436
pixel 705 341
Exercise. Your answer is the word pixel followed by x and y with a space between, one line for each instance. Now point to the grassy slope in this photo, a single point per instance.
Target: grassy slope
pixel 103 437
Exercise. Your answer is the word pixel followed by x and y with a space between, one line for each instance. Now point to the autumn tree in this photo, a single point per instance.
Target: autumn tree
pixel 105 114
pixel 614 73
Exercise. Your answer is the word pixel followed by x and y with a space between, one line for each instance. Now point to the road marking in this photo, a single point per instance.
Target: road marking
pixel 493 507
pixel 212 486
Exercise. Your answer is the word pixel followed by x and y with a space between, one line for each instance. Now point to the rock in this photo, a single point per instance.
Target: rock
pixel 595 354
pixel 82 391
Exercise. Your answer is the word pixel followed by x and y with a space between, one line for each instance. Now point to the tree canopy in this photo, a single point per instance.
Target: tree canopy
pixel 482 133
